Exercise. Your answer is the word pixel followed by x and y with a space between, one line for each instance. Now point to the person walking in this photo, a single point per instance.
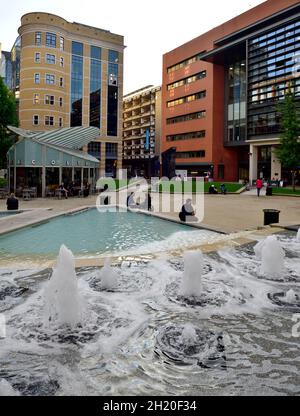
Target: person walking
pixel 12 203
pixel 259 185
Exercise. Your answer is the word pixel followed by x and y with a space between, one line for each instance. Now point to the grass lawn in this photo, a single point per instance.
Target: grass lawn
pixel 120 183
pixel 190 186
pixel 286 191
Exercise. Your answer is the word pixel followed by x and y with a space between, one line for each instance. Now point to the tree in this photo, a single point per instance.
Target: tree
pixel 289 150
pixel 8 116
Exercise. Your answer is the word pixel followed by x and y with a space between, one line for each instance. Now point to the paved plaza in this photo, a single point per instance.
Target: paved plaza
pixel 229 213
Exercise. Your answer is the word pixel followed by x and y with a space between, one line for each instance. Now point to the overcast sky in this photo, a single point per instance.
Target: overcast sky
pixel 151 28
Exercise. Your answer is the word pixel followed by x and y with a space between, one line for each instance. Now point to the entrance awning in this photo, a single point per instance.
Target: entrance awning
pixel 68 137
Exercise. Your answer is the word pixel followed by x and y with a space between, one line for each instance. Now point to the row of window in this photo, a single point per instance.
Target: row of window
pixel 48 121
pixel 49 59
pixel 187 155
pixel 187 117
pixel 49 79
pixel 48 99
pixel 294 49
pixel 50 40
pixel 277 32
pixel 186 136
pixel 274 44
pixel 187 80
pixel 184 63
pixel 187 99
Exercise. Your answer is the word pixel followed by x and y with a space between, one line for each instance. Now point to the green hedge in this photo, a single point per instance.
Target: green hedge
pixel 190 186
pixel 286 191
pixel 3 183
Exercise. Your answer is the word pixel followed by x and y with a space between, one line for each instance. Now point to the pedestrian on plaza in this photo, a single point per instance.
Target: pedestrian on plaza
pixel 259 185
pixel 187 210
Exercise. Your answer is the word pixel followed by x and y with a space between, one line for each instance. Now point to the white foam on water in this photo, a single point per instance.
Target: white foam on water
pixel 298 236
pixel 6 389
pixel 290 296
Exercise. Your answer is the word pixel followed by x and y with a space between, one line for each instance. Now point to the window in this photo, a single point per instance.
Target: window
pixel 50 40
pixel 95 53
pixel 35 120
pixel 36 99
pixel 61 43
pixel 184 63
pixel 50 79
pixel 94 149
pixel 49 121
pixel 113 56
pixel 37 78
pixel 49 99
pixel 188 80
pixel 77 48
pixel 186 136
pixel 113 74
pixel 50 59
pixel 38 38
pixel 187 155
pixel 60 122
pixel 187 99
pixel 187 117
pixel 62 61
pixel 60 101
pixel 37 58
pixel 61 82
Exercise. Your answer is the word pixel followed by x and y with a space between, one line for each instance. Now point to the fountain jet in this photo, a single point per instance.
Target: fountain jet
pixel 108 277
pixel 298 236
pixel 193 270
pixel 61 294
pixel 271 254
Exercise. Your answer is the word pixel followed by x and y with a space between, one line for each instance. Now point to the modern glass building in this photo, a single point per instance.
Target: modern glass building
pixel 250 62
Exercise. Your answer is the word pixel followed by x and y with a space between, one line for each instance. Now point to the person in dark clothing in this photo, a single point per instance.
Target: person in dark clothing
pixel 212 190
pixel 86 190
pixel 12 203
pixel 223 189
pixel 187 210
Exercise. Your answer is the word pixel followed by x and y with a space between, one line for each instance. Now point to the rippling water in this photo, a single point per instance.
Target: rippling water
pixel 131 341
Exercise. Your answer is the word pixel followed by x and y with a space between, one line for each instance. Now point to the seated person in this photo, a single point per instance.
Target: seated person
pixel 63 190
pixel 86 190
pixel 212 190
pixel 187 210
pixel 12 203
pixel 223 189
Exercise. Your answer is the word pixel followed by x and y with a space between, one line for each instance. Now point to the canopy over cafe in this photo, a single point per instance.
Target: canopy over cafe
pixel 45 160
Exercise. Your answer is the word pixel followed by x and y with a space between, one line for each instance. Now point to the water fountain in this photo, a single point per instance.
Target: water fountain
pixel 298 236
pixel 193 270
pixel 107 276
pixel 62 300
pixel 271 254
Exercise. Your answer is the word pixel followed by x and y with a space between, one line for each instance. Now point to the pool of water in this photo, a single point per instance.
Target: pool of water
pixel 7 213
pixel 142 338
pixel 91 233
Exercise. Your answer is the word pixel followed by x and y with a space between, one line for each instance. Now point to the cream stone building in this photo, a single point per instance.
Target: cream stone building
pixel 70 75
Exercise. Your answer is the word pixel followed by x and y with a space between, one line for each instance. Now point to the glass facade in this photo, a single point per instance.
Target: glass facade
pixel 112 93
pixel 273 69
pixel 95 87
pixel 76 84
pixel 236 91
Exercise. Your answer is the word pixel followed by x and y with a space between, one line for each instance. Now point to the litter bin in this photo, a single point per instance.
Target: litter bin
pixel 271 216
pixel 269 191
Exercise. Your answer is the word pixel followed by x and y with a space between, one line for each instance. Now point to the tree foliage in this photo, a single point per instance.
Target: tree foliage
pixel 289 150
pixel 8 116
